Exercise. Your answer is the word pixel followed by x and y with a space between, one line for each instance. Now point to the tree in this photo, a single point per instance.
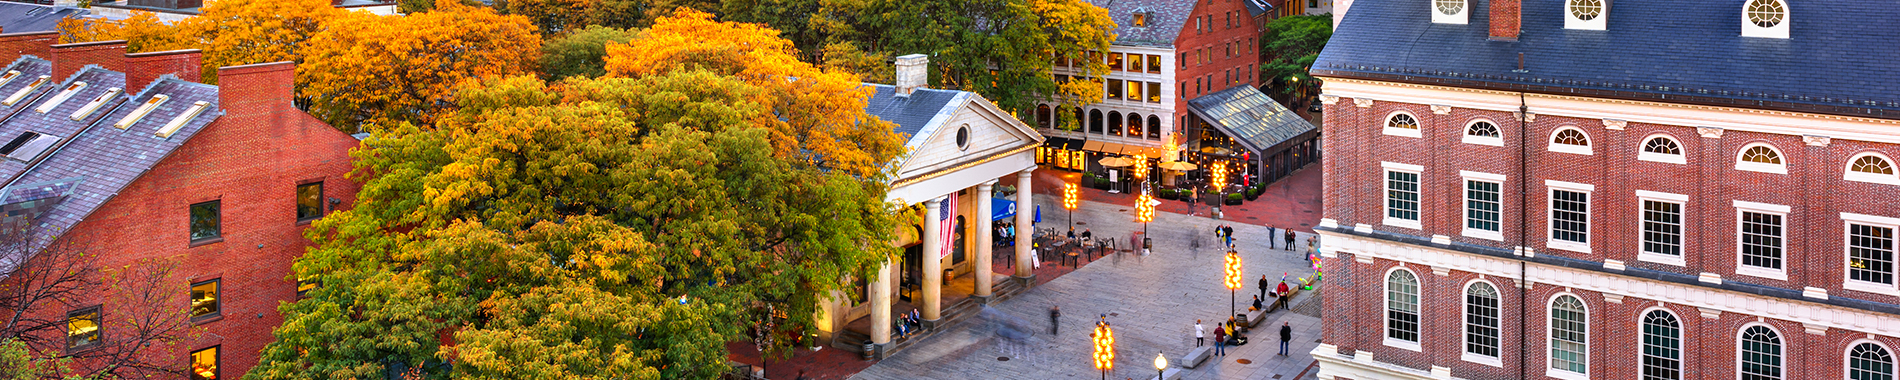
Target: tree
pixel 1289 47
pixel 142 32
pixel 617 227
pixel 140 319
pixel 581 53
pixel 242 32
pixel 390 69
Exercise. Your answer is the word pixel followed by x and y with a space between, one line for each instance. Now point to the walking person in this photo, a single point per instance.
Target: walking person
pixel 1264 284
pixel 1229 231
pixel 1200 334
pixel 1055 320
pixel 1220 342
pixel 1283 290
pixel 1286 334
pixel 1289 239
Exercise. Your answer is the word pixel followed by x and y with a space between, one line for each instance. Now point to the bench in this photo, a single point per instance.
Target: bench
pixel 1196 356
pixel 1171 374
pixel 1255 317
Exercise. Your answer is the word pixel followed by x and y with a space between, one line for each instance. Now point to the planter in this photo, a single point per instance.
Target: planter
pixel 1233 199
pixel 1168 194
pixel 1253 193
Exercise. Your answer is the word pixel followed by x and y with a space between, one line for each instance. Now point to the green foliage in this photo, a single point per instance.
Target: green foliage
pixel 16 362
pixel 1289 47
pixel 1235 196
pixel 581 53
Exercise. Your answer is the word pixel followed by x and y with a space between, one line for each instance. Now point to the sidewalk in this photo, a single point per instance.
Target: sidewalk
pixel 1291 202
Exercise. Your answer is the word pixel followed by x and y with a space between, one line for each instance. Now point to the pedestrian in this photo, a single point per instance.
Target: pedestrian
pixel 1264 284
pixel 1230 235
pixel 1200 334
pixel 1289 239
pixel 1055 320
pixel 1220 342
pixel 1283 290
pixel 1286 334
pixel 1270 231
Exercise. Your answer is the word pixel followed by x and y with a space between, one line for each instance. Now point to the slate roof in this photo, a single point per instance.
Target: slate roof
pixel 30 68
pixel 1251 118
pixel 59 121
pixel 913 114
pixel 22 18
pixel 1839 58
pixel 1163 26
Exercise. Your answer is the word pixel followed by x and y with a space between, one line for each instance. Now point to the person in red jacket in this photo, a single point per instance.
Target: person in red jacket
pixel 1282 291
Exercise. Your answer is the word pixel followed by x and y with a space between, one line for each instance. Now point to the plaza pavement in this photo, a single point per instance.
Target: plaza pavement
pixel 1151 301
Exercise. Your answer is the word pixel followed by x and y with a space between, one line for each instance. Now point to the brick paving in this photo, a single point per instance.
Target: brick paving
pixel 1290 202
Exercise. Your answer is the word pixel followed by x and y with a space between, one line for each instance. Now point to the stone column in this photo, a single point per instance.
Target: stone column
pixel 880 295
pixel 933 260
pixel 1025 227
pixel 984 240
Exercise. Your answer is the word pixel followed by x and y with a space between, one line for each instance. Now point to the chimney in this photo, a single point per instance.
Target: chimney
pixel 142 69
pixel 263 86
pixel 1506 19
pixel 69 58
pixel 913 72
pixel 38 44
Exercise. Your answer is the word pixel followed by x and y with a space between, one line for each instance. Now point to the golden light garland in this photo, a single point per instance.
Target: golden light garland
pixel 1219 171
pixel 1104 347
pixel 1070 196
pixel 1144 209
pixel 1233 270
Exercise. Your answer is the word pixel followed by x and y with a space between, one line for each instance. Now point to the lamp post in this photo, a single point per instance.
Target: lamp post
pixel 1161 365
pixel 1144 211
pixel 1218 176
pixel 1070 199
pixel 1104 348
pixel 1233 281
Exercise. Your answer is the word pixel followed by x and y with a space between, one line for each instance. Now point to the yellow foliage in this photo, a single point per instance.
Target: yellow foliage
pixel 142 32
pixel 365 68
pixel 243 32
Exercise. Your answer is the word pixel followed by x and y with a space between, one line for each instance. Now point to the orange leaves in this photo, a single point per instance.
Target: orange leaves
pixel 405 68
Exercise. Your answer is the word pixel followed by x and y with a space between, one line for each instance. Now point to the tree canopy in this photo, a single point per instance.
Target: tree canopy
pixel 1290 45
pixel 581 53
pixel 388 69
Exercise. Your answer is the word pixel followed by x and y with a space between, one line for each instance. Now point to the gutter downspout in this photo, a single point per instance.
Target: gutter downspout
pixel 1523 232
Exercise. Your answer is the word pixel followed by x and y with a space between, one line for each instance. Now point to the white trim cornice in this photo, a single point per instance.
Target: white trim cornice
pixel 1441 109
pixel 1328 99
pixel 1707 298
pixel 1614 124
pixel 1816 140
pixel 1361 102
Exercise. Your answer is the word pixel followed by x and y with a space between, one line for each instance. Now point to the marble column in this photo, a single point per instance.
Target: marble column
pixel 1025 226
pixel 881 305
pixel 985 234
pixel 933 260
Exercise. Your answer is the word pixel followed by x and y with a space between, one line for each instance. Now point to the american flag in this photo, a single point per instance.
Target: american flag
pixel 946 225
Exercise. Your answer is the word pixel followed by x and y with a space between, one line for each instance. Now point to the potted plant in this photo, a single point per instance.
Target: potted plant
pixel 1234 199
pixel 1168 194
pixel 1088 180
pixel 1253 192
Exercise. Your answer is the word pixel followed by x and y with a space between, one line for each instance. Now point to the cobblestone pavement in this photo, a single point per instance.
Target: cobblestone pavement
pixel 1152 302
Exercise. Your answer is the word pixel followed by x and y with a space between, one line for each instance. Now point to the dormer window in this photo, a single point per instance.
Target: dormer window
pixel 1449 11
pixel 21 94
pixel 1765 18
pixel 60 97
pixel 1141 19
pixel 139 113
pixel 1586 14
pixel 92 106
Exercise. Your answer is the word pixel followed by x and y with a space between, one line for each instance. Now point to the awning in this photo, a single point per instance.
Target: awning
pixel 1093 145
pixel 1001 208
pixel 1062 143
pixel 1252 119
pixel 1109 147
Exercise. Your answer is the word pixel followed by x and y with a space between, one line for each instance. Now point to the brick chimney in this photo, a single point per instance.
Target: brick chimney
pixel 69 58
pixel 38 44
pixel 143 68
pixel 913 72
pixel 1507 18
pixel 262 87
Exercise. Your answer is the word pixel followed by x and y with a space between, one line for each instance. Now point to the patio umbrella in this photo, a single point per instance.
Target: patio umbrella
pixel 1116 162
pixel 1178 166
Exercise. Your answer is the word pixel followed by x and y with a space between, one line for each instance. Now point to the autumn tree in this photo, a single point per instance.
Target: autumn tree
pixel 243 32
pixel 134 333
pixel 142 32
pixel 581 53
pixel 392 69
pixel 618 227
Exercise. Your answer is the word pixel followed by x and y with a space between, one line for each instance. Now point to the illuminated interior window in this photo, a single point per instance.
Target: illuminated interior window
pixel 144 109
pixel 204 299
pixel 92 106
pixel 61 97
pixel 183 118
pixel 24 91
pixel 82 328
pixel 204 364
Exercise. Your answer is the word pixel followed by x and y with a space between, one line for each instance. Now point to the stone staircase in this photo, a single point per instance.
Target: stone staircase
pixel 1006 288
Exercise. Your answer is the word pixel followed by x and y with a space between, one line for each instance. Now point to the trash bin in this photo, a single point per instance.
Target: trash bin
pixel 1147 243
pixel 870 350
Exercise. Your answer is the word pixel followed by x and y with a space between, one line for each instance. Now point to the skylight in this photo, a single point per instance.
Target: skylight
pixel 28 146
pixel 94 105
pixel 133 118
pixel 21 94
pixel 182 119
pixel 61 97
pixel 8 77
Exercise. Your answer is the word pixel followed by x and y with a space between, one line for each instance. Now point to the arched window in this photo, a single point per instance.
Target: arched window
pixel 1760 157
pixel 1661 148
pixel 1134 125
pixel 1871 167
pixel 1569 335
pixel 1043 116
pixel 1114 123
pixel 1570 140
pixel 1662 346
pixel 1481 320
pixel 1869 361
pixel 1483 132
pixel 1401 308
pixel 1095 121
pixel 1449 11
pixel 1760 354
pixel 1154 127
pixel 1765 18
pixel 1401 124
pixel 1585 14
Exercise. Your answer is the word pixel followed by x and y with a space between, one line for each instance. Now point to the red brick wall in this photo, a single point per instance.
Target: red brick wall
pixel 69 58
pixel 1506 19
pixel 143 68
pixel 251 159
pixel 38 44
pixel 1214 37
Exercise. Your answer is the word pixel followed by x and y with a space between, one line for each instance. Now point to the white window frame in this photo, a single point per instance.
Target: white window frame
pixel 1550 215
pixel 1464 322
pixel 1643 153
pixel 1551 327
pixel 1385 306
pixel 1847 356
pixel 1481 140
pixel 1462 17
pixel 1385 125
pixel 1601 22
pixel 1682 204
pixel 1385 198
pixel 1848 282
pixel 1682 332
pixel 1740 332
pixel 1761 208
pixel 1849 174
pixel 1761 167
pixel 1552 145
pixel 1464 209
pixel 1749 29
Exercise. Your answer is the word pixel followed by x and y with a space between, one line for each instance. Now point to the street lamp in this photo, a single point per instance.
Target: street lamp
pixel 1233 281
pixel 1161 365
pixel 1219 177
pixel 1071 197
pixel 1104 348
pixel 1145 211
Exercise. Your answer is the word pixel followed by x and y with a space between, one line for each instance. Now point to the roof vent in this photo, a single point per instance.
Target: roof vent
pixel 21 94
pixel 8 77
pixel 133 118
pixel 179 122
pixel 61 97
pixel 28 146
pixel 94 105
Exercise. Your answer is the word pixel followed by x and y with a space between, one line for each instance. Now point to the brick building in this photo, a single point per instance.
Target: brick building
pixel 132 158
pixel 1637 190
pixel 1168 67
